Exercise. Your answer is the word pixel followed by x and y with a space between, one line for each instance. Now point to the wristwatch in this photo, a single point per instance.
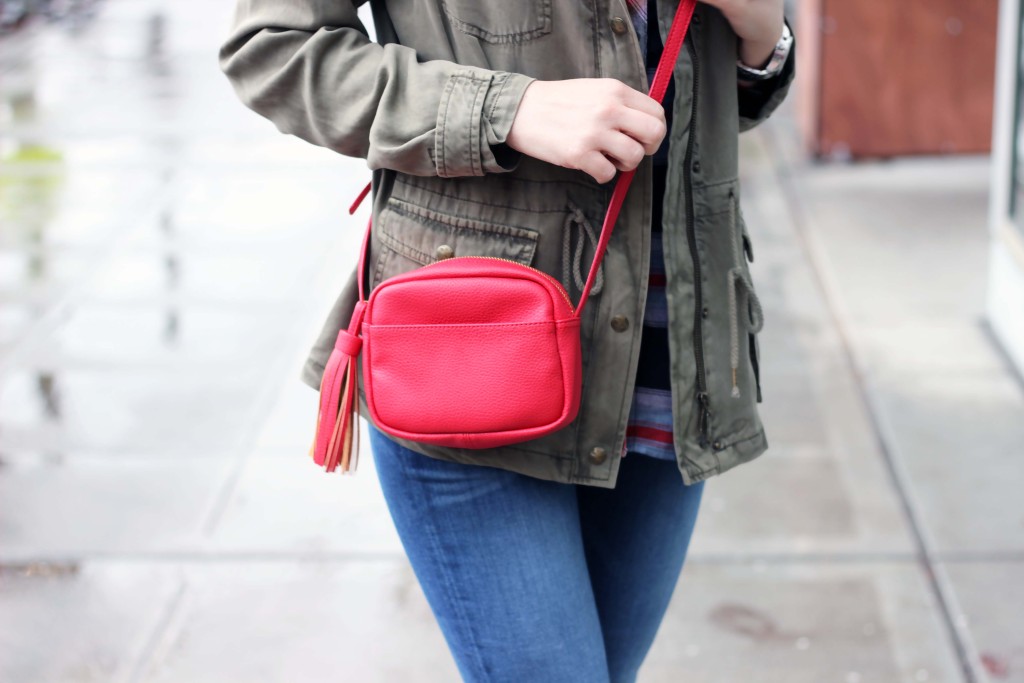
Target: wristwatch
pixel 775 64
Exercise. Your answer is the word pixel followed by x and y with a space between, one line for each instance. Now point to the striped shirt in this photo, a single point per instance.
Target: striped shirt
pixel 649 430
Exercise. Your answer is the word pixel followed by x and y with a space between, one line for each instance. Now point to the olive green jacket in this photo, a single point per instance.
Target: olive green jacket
pixel 429 106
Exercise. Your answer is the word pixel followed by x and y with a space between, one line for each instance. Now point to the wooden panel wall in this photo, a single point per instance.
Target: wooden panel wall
pixel 885 78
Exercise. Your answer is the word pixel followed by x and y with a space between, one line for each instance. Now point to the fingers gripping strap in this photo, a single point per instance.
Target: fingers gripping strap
pixel 669 55
pixel 676 35
pixel 335 444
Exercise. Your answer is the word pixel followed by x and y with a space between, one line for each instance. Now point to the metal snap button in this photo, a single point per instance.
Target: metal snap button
pixel 444 251
pixel 620 323
pixel 704 312
pixel 598 455
pixel 619 25
pixel 717 445
pixel 696 166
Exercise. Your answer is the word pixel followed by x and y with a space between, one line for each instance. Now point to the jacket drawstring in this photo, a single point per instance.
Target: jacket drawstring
pixel 586 231
pixel 736 277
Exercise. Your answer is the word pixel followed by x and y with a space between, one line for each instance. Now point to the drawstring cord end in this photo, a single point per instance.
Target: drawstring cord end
pixel 572 259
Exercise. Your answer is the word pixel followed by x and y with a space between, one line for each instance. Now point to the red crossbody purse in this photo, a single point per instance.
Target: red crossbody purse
pixel 511 330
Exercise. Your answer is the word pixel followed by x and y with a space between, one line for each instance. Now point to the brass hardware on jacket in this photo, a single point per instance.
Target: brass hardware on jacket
pixel 430 117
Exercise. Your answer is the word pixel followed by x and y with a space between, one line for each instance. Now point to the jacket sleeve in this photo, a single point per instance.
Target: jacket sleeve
pixel 310 67
pixel 758 100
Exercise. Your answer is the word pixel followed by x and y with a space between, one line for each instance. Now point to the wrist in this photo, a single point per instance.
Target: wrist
pixel 757 54
pixel 515 131
pixel 755 63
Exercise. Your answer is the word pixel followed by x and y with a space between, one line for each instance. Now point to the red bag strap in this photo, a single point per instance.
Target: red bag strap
pixel 669 55
pixel 365 249
pixel 676 34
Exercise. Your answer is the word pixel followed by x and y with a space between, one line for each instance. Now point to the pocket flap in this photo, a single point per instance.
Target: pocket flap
pixel 426 235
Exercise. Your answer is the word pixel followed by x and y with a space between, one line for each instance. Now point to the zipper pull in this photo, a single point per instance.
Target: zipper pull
pixel 703 417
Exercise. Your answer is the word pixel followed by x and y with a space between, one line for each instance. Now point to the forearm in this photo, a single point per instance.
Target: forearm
pixel 311 69
pixel 759 98
pixel 757 24
pixel 756 53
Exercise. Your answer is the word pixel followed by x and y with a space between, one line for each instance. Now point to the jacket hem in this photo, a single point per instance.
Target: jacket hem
pixel 311 374
pixel 564 469
pixel 736 453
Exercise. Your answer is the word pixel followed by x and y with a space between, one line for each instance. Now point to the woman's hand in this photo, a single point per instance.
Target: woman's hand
pixel 596 125
pixel 758 23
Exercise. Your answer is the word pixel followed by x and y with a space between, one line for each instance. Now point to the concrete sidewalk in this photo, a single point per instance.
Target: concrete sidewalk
pixel 160 519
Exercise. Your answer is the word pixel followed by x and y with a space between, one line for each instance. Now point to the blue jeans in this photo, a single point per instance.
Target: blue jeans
pixel 535 580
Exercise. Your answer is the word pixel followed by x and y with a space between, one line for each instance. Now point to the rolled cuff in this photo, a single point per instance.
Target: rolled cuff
pixel 474 117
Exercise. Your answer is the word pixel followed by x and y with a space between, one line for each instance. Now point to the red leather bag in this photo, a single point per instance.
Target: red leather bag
pixel 466 352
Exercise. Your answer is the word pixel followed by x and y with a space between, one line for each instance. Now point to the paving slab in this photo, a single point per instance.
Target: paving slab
pixel 103 506
pixel 288 427
pixel 363 620
pixel 901 249
pixel 59 410
pixel 794 503
pixel 55 204
pixel 904 245
pixel 257 206
pixel 34 279
pixel 796 623
pixel 990 597
pixel 934 347
pixel 239 276
pixel 157 334
pixel 289 505
pixel 78 621
pixel 960 437
pixel 907 239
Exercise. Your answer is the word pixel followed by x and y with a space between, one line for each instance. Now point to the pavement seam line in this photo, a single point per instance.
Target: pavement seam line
pixel 945 599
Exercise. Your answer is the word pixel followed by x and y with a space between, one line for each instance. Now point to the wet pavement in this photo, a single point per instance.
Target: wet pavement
pixel 167 257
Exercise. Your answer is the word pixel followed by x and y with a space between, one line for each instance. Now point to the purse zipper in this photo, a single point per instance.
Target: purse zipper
pixel 553 281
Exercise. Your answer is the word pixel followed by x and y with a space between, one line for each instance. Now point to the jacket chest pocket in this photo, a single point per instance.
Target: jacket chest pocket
pixel 410 236
pixel 507 21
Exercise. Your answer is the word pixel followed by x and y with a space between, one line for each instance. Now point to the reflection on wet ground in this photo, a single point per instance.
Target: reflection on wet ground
pixel 20 14
pixel 157 240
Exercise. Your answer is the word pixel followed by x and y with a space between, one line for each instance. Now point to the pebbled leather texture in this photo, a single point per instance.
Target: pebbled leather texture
pixel 471 352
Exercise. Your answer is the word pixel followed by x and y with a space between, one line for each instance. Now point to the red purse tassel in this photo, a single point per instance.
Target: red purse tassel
pixel 336 441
